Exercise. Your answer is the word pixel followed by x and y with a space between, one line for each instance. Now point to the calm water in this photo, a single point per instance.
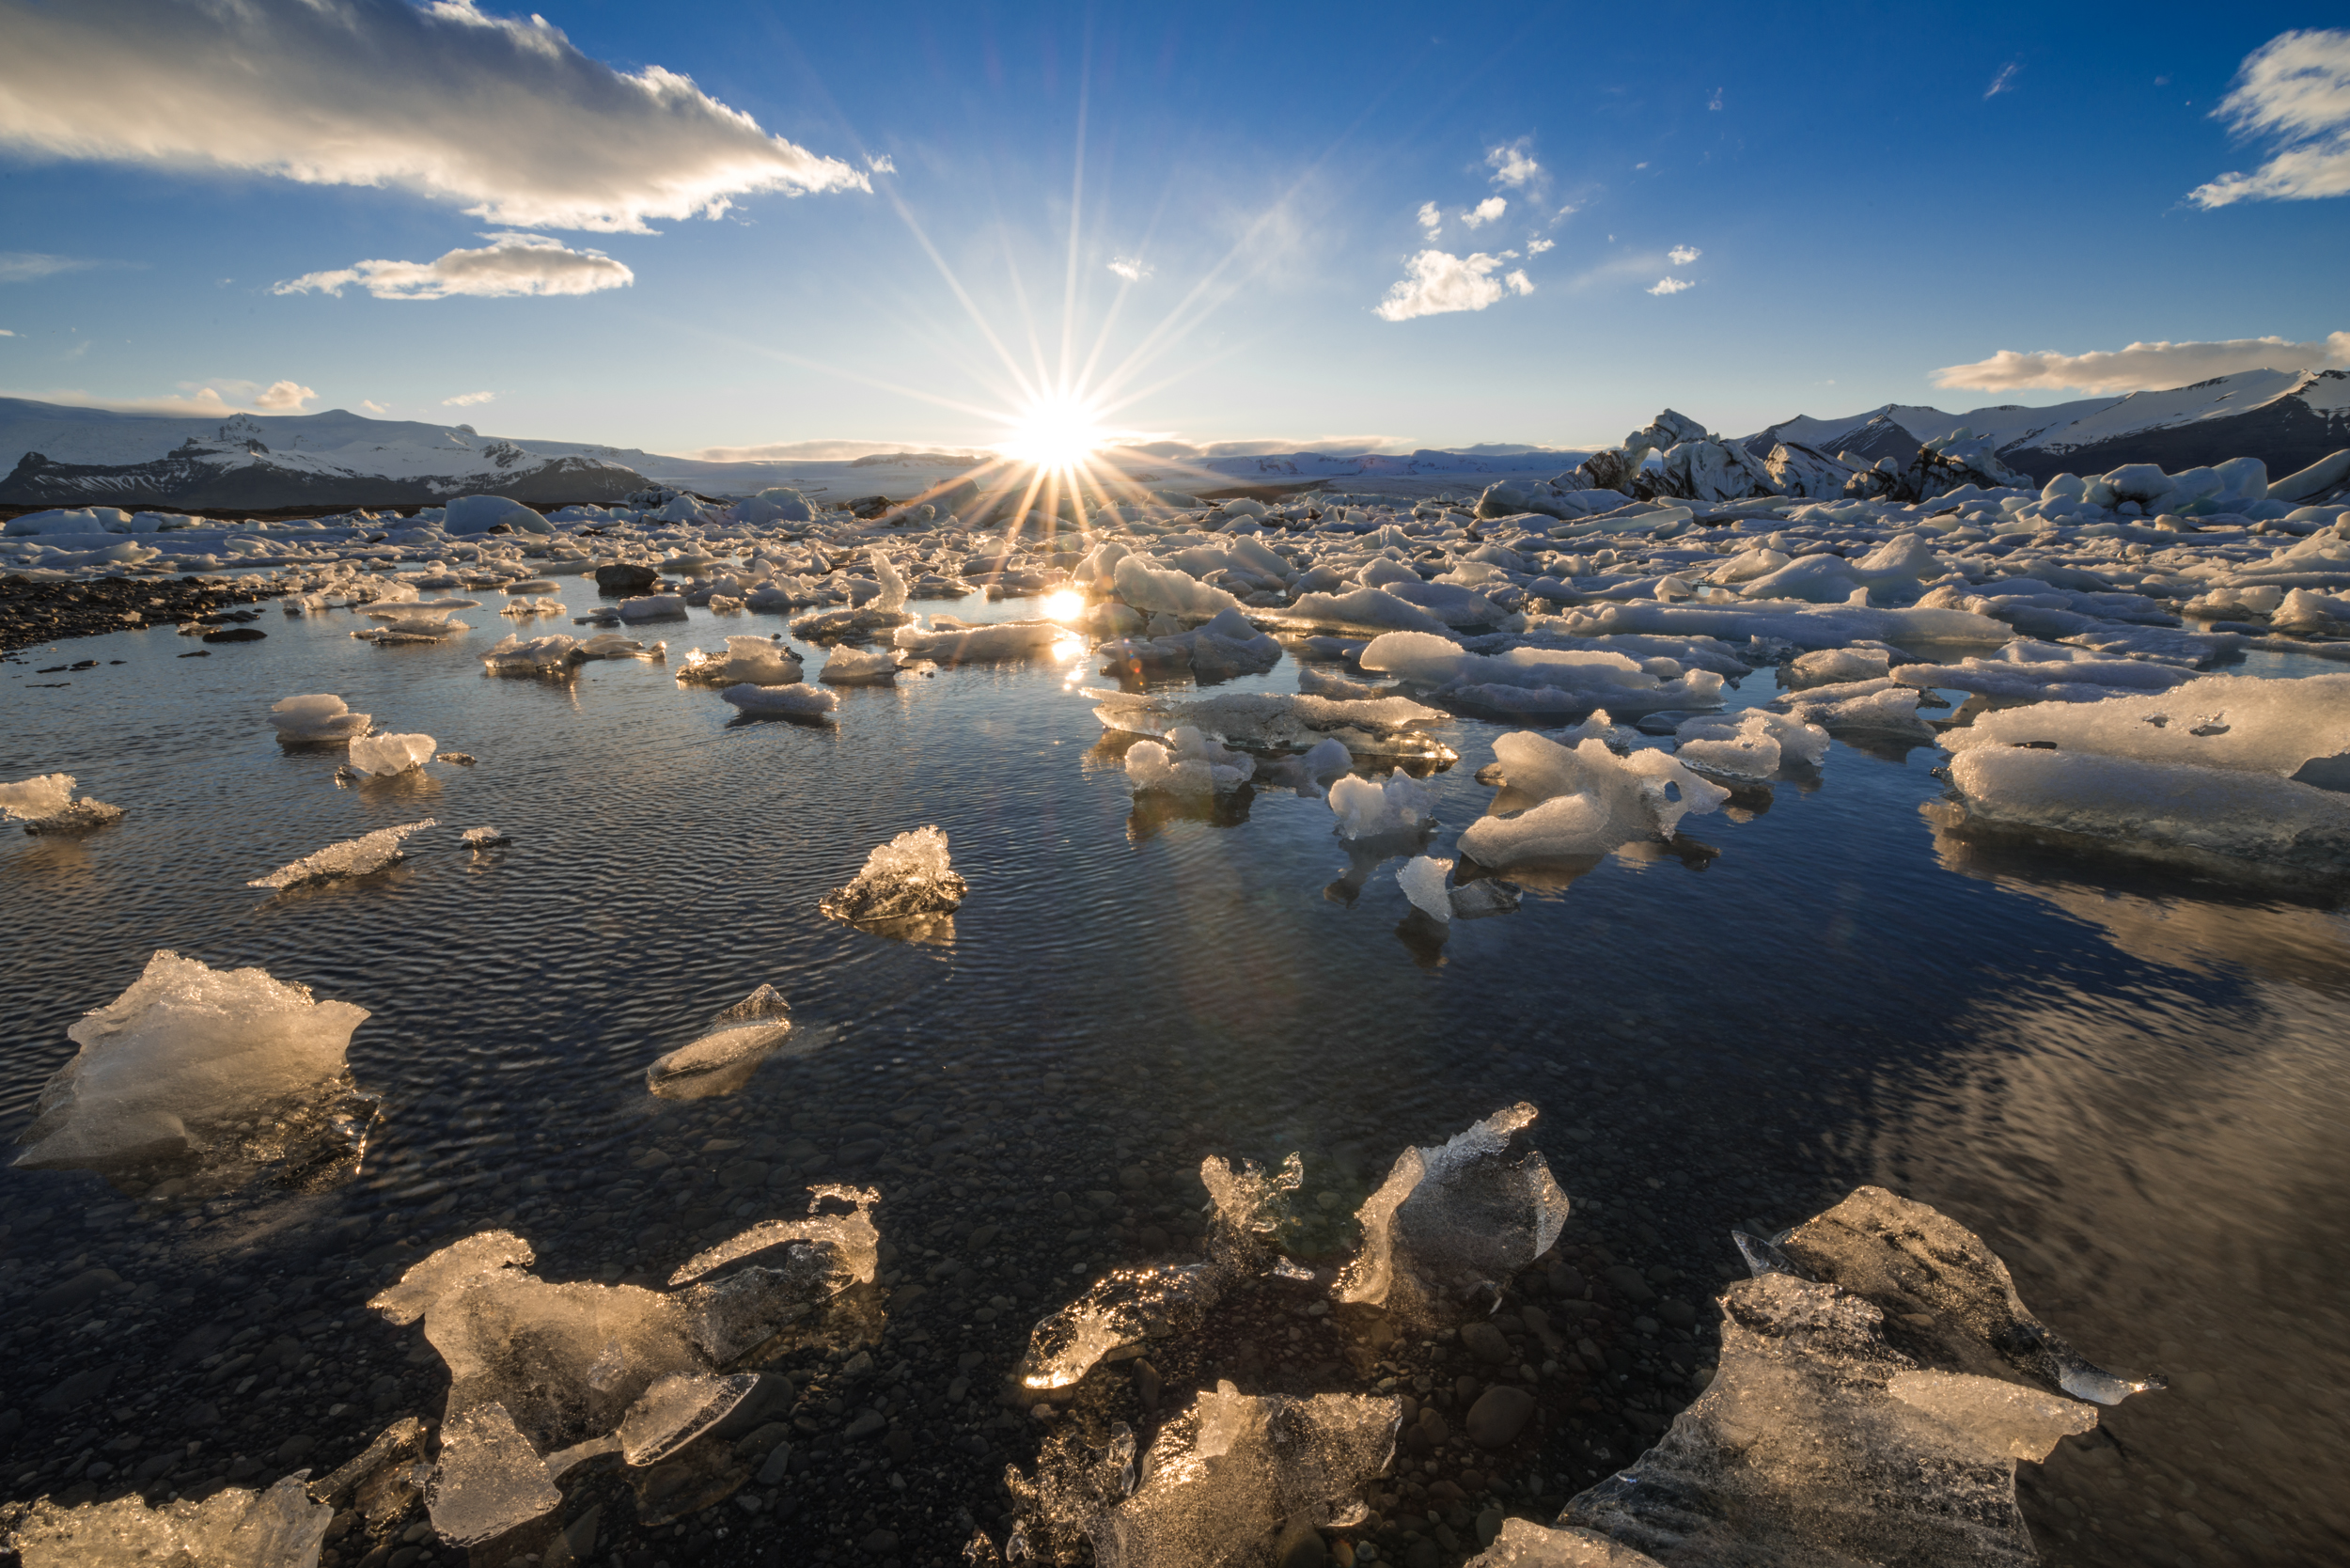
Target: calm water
pixel 2133 1085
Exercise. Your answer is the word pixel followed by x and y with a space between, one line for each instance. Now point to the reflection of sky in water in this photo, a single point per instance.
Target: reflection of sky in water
pixel 2127 1085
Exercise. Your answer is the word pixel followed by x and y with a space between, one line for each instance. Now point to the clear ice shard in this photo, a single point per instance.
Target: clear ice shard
pixel 1867 1410
pixel 1451 1220
pixel 907 876
pixel 1422 881
pixel 1188 764
pixel 316 718
pixel 747 661
pixel 721 1058
pixel 1523 1544
pixel 386 754
pixel 369 851
pixel 1120 1309
pixel 544 1375
pixel 1365 810
pixel 280 1527
pixel 850 667
pixel 182 1051
pixel 1220 1483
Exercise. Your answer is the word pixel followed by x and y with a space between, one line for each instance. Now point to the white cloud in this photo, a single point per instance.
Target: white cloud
pixel 1484 212
pixel 5 333
pixel 194 401
pixel 880 163
pixel 1671 286
pixel 2004 81
pixel 1715 101
pixel 468 400
pixel 1681 255
pixel 2144 365
pixel 1131 268
pixel 278 397
pixel 2295 89
pixel 502 115
pixel 1430 219
pixel 1512 165
pixel 1535 247
pixel 24 266
pixel 1436 283
pixel 379 410
pixel 510 264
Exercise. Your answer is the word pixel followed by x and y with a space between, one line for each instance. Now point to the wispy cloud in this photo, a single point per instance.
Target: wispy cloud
pixel 510 266
pixel 503 115
pixel 1715 101
pixel 5 333
pixel 2004 81
pixel 1485 213
pixel 2295 89
pixel 24 266
pixel 468 400
pixel 1131 268
pixel 1430 219
pixel 1681 255
pixel 1670 285
pixel 192 402
pixel 1436 284
pixel 379 410
pixel 880 163
pixel 1513 166
pixel 1535 247
pixel 2142 367
pixel 278 397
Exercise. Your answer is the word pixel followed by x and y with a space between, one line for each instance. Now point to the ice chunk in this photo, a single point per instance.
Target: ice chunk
pixel 1880 706
pixel 1219 1483
pixel 1315 683
pixel 818 1289
pixel 2238 723
pixel 280 1527
pixel 678 1409
pixel 449 1270
pixel 320 716
pixel 611 645
pixel 850 667
pixel 82 816
pixel 1364 609
pixel 1752 745
pixel 720 1060
pixel 1189 763
pixel 1550 680
pixel 1273 721
pixel 1588 801
pixel 411 623
pixel 793 701
pixel 652 606
pixel 385 755
pixel 2027 667
pixel 1451 1220
pixel 1523 1544
pixel 747 661
pixel 1422 881
pixel 1827 666
pixel 1370 810
pixel 1148 587
pixel 41 796
pixel 908 875
pixel 490 1478
pixel 484 837
pixel 369 851
pixel 958 642
pixel 893 582
pixel 554 654
pixel 1311 775
pixel 1833 1434
pixel 184 1049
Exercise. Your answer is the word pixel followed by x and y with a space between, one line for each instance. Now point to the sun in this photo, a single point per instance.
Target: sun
pixel 1057 433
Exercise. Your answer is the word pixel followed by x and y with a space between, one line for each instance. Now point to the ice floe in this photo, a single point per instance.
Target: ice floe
pixel 281 1527
pixel 792 701
pixel 1582 801
pixel 910 875
pixel 45 804
pixel 747 661
pixel 385 755
pixel 1188 763
pixel 368 853
pixel 721 1059
pixel 319 717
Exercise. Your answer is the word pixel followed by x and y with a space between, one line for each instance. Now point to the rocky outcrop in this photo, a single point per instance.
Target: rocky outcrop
pixel 1959 458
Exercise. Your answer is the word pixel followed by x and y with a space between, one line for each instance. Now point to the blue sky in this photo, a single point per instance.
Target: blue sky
pixel 1872 194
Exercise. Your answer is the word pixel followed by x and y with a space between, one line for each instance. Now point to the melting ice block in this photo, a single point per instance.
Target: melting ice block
pixel 386 755
pixel 1188 764
pixel 553 655
pixel 1588 801
pixel 850 667
pixel 369 851
pixel 1547 679
pixel 908 875
pixel 720 1060
pixel 747 661
pixel 1274 721
pixel 1221 1481
pixel 46 804
pixel 1752 745
pixel 1365 810
pixel 812 1281
pixel 185 1049
pixel 1422 881
pixel 792 701
pixel 1867 1409
pixel 280 1527
pixel 320 716
pixel 957 642
pixel 1449 1221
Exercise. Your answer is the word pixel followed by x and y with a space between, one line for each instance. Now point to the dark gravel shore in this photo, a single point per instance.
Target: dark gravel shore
pixel 32 613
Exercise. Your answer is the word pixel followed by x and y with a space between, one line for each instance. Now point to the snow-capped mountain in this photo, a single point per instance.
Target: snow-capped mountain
pixel 2287 418
pixel 79 456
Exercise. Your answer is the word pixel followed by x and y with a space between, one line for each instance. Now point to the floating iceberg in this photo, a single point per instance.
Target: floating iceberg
pixel 385 755
pixel 1275 721
pixel 2049 671
pixel 411 623
pixel 1422 881
pixel 792 701
pixel 1751 745
pixel 1450 1221
pixel 280 1527
pixel 45 804
pixel 652 606
pixel 1880 706
pixel 182 1051
pixel 1365 810
pixel 1867 1409
pixel 721 1059
pixel 747 661
pixel 480 839
pixel 319 717
pixel 910 875
pixel 1546 680
pixel 1167 591
pixel 961 642
pixel 553 655
pixel 1588 801
pixel 1189 763
pixel 2230 766
pixel 369 851
pixel 849 666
